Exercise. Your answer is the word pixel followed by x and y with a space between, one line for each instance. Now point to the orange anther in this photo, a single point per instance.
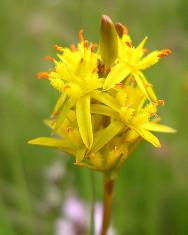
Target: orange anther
pixel 42 75
pixel 66 87
pixel 49 58
pixel 164 52
pixel 120 85
pixel 128 44
pixel 146 50
pixel 73 47
pixel 82 60
pixel 93 46
pixel 58 48
pixel 69 129
pixel 86 43
pixel 80 35
pixel 161 102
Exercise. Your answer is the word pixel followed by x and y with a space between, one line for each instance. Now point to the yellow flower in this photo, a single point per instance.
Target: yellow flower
pixel 131 61
pixel 106 105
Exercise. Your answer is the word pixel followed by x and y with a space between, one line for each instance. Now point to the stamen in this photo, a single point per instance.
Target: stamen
pixel 161 102
pixel 147 85
pixel 42 75
pixel 80 35
pixel 93 47
pixel 73 47
pixel 69 129
pixel 49 58
pixel 165 52
pixel 82 60
pixel 66 87
pixel 128 44
pixel 119 85
pixel 146 50
pixel 95 70
pixel 115 148
pixel 58 48
pixel 86 43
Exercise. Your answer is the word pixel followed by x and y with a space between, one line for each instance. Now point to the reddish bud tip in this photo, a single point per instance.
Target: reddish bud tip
pixel 121 29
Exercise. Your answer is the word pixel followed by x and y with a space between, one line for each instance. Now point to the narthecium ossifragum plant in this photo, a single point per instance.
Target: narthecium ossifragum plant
pixel 106 104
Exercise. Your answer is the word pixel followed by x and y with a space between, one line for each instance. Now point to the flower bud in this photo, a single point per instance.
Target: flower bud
pixel 121 29
pixel 108 41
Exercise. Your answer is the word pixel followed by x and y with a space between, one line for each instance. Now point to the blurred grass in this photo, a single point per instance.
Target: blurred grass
pixel 151 192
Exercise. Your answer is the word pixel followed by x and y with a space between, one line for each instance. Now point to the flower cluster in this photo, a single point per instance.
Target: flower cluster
pixel 106 105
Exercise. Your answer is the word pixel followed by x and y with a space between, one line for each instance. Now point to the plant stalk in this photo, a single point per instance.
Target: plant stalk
pixel 107 204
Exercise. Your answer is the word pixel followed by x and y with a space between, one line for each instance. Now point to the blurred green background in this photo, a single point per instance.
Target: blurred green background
pixel 152 191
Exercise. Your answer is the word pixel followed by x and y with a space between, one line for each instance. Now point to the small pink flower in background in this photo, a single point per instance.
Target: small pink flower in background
pixel 76 211
pixel 64 227
pixel 76 218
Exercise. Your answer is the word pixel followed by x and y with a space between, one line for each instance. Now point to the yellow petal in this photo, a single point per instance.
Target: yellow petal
pixel 117 74
pixel 105 99
pixel 53 143
pixel 158 127
pixel 59 104
pixel 84 120
pixel 149 60
pixel 140 84
pixel 68 104
pixel 103 110
pixel 140 48
pixel 80 154
pixel 106 135
pixel 148 136
pixel 148 88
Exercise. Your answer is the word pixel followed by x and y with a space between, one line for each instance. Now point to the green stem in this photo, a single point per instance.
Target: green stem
pixel 107 204
pixel 92 213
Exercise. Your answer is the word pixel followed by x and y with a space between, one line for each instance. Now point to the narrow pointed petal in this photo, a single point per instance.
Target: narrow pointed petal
pixel 148 136
pixel 68 104
pixel 149 88
pixel 106 135
pixel 53 143
pixel 83 115
pixel 140 84
pixel 80 154
pixel 150 126
pixel 117 74
pixel 103 110
pixel 105 99
pixel 59 104
pixel 149 60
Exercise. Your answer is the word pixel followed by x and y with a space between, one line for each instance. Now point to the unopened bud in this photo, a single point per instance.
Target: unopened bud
pixel 108 41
